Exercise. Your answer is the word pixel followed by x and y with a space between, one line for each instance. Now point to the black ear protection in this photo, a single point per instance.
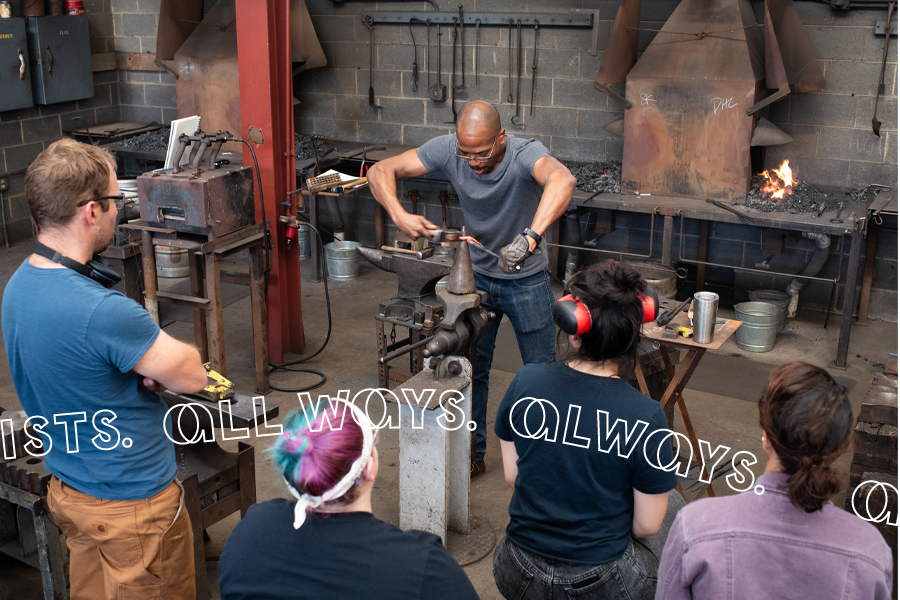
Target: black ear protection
pixel 94 269
pixel 573 317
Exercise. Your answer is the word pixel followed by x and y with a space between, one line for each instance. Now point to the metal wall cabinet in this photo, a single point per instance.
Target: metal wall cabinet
pixel 60 50
pixel 15 75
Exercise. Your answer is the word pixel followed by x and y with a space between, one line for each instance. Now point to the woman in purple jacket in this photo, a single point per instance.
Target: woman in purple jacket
pixel 784 539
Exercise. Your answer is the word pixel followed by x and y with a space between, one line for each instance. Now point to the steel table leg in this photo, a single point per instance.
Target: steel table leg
pixel 216 317
pixel 148 258
pixel 840 362
pixel 201 340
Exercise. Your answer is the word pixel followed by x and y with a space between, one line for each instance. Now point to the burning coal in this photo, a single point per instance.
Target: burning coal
pixel 779 182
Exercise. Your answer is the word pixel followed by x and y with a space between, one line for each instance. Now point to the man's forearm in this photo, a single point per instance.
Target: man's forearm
pixel 383 184
pixel 554 201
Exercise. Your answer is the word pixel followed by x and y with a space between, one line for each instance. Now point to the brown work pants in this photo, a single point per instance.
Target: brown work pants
pixel 126 550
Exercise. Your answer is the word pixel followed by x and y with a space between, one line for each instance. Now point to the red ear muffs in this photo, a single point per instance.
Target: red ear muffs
pixel 573 317
pixel 650 305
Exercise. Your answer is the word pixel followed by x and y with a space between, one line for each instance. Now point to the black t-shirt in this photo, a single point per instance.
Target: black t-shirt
pixel 573 502
pixel 338 555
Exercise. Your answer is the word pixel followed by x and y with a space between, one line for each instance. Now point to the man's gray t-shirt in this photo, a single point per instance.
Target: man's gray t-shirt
pixel 498 206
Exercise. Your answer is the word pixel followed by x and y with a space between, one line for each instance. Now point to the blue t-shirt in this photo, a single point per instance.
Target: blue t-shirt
pixel 498 206
pixel 574 501
pixel 71 345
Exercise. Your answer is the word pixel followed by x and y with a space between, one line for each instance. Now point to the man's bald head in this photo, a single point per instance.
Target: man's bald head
pixel 478 118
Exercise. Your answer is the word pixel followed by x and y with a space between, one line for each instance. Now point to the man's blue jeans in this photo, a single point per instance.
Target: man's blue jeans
pixel 528 303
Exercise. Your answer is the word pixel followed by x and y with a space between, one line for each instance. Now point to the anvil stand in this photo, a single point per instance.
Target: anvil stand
pixel 415 308
pixel 435 440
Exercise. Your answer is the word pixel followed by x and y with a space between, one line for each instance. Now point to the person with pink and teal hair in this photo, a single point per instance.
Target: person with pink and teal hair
pixel 328 544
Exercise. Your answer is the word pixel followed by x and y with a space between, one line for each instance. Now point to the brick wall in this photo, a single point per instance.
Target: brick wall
pixel 833 142
pixel 25 133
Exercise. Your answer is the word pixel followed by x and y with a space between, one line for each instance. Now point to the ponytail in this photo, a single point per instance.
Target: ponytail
pixel 807 418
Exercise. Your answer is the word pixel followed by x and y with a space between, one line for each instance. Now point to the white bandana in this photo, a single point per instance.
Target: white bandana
pixel 305 501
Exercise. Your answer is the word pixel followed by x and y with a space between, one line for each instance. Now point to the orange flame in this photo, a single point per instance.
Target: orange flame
pixel 780 182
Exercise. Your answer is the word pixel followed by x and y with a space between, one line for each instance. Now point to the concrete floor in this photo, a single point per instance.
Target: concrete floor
pixel 721 397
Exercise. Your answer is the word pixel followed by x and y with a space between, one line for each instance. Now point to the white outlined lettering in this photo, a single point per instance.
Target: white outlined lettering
pixel 543 429
pixel 410 397
pixel 885 514
pixel 580 440
pixel 737 477
pixel 379 391
pixel 676 460
pixel 65 424
pixel 620 427
pixel 33 442
pixel 105 430
pixel 710 464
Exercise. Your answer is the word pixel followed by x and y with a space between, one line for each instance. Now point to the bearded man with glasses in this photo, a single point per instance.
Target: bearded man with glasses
pixel 511 190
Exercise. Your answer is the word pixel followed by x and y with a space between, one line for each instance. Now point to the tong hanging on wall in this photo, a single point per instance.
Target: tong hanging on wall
pixel 415 68
pixel 368 21
pixel 438 90
pixel 533 67
pixel 518 70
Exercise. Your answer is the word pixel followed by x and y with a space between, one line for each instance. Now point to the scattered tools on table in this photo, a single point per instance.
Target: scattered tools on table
pixel 367 20
pixel 665 317
pixel 685 332
pixel 217 387
pixel 837 218
pixel 888 28
pixel 733 210
pixel 825 206
pixel 317 184
pixel 415 68
pixel 438 90
pixel 518 70
pixel 477 42
pixel 533 66
pixel 509 96
pixel 363 167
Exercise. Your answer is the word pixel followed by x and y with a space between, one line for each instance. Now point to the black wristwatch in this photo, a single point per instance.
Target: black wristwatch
pixel 533 235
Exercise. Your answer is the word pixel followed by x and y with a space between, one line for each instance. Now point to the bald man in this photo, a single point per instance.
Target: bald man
pixel 510 190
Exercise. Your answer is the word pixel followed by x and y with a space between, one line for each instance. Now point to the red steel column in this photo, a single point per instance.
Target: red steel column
pixel 264 64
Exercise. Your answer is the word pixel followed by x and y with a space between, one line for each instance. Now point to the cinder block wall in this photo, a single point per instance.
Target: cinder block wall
pixel 833 141
pixel 145 96
pixel 25 133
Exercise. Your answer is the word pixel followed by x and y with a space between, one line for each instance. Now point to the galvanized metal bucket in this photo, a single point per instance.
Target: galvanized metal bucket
pixel 303 242
pixel 172 262
pixel 660 277
pixel 775 298
pixel 342 260
pixel 760 325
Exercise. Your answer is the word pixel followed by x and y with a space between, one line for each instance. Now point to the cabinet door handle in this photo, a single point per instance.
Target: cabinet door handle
pixel 49 62
pixel 21 65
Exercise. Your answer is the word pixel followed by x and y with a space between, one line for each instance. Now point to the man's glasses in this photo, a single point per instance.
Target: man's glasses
pixel 119 200
pixel 477 158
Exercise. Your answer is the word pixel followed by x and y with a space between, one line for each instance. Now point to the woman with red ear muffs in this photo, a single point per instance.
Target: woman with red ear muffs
pixel 590 512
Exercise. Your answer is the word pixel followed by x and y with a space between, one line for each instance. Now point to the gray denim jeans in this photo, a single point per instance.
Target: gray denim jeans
pixel 524 575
